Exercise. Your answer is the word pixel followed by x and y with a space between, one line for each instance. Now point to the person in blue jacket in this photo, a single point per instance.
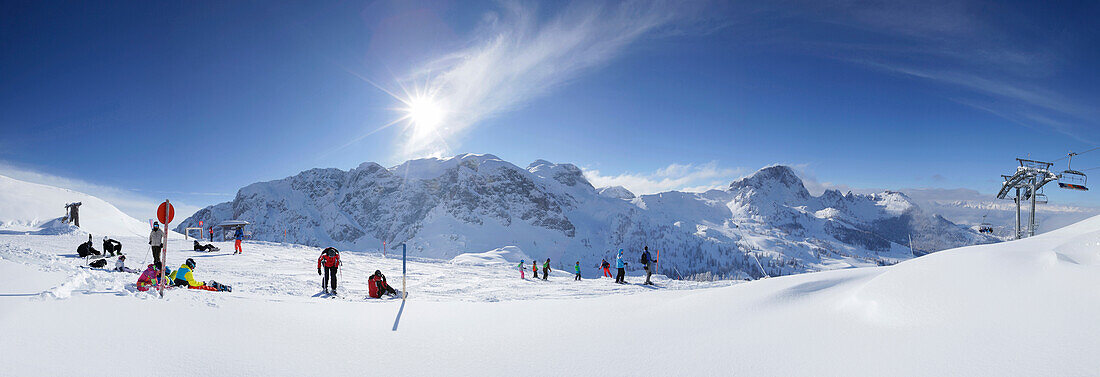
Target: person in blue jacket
pixel 621 265
pixel 238 235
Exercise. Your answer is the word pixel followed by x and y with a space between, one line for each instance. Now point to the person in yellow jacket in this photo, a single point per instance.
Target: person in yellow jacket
pixel 185 276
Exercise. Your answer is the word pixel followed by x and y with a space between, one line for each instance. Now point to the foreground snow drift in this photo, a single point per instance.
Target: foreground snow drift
pixel 1018 308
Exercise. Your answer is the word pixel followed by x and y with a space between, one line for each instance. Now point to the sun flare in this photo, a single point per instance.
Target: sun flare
pixel 425 112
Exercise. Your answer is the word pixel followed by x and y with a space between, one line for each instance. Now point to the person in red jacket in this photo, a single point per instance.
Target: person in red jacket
pixel 378 286
pixel 330 262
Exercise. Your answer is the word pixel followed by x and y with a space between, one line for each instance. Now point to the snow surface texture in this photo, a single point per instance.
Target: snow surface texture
pixel 1021 308
pixel 33 208
pixel 470 203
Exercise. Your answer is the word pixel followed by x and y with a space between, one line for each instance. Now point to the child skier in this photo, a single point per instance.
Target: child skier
pixel 546 269
pixel 535 268
pixel 522 270
pixel 577 268
pixel 239 234
pixel 120 265
pixel 330 260
pixel 606 268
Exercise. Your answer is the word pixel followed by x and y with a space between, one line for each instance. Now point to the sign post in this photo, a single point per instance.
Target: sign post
pixel 165 213
pixel 404 292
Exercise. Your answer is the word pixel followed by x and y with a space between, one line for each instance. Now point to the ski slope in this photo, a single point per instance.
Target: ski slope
pixel 1022 308
pixel 35 208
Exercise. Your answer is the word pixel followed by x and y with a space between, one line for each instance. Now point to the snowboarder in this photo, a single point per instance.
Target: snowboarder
pixel 238 235
pixel 522 270
pixel 621 265
pixel 120 265
pixel 546 269
pixel 606 268
pixel 184 276
pixel 648 264
pixel 577 268
pixel 378 286
pixel 156 241
pixel 200 247
pixel 330 260
pixel 110 246
pixel 86 249
pixel 535 268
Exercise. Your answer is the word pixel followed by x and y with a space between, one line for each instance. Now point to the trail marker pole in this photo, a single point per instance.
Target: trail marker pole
pixel 404 292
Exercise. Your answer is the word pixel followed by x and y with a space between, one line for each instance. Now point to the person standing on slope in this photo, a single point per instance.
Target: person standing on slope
pixel 621 265
pixel 606 268
pixel 211 234
pixel 546 269
pixel 156 241
pixel 238 235
pixel 522 270
pixel 535 268
pixel 648 263
pixel 330 261
pixel 577 268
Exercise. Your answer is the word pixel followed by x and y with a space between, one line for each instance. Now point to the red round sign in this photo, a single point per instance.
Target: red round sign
pixel 165 213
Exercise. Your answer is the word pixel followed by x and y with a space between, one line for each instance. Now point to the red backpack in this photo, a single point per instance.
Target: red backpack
pixel 330 258
pixel 372 283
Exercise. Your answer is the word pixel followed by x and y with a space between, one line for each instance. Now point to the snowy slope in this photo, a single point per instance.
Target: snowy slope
pixel 1020 308
pixel 763 224
pixel 31 207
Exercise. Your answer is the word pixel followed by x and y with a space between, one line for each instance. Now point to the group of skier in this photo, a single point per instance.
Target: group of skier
pixel 648 262
pixel 328 265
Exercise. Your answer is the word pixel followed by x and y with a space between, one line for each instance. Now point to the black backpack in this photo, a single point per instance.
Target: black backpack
pixel 645 257
pixel 98 263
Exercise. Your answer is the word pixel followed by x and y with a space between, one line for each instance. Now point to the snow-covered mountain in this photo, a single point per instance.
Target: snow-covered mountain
pixel 35 208
pixel 765 223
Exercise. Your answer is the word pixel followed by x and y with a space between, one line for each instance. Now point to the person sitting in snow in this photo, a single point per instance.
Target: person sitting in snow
pixel 378 286
pixel 86 249
pixel 149 278
pixel 184 276
pixel 110 246
pixel 120 265
pixel 200 247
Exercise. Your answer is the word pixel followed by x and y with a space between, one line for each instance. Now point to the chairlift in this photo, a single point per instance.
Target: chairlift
pixel 1072 179
pixel 985 227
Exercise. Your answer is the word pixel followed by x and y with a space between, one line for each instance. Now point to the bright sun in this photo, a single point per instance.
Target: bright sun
pixel 425 112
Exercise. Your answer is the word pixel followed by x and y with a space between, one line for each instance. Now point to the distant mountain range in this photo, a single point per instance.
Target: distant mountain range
pixel 767 223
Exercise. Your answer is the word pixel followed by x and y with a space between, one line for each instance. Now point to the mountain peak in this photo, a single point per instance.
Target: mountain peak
pixel 776 177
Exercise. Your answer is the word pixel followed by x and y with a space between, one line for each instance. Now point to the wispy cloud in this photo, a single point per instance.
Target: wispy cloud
pixel 680 177
pixel 136 205
pixel 517 54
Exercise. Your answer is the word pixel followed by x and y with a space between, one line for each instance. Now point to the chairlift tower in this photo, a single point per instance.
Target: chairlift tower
pixel 1029 179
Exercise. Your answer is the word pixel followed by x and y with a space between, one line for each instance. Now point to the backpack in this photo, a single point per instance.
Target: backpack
pixel 98 263
pixel 645 258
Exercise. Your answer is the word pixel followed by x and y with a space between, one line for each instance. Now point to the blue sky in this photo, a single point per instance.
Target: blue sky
pixel 137 101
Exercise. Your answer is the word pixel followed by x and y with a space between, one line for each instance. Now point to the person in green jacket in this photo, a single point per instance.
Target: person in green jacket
pixel 546 269
pixel 577 268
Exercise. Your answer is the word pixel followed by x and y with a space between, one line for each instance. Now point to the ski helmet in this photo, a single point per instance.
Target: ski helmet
pixel 190 263
pixel 377 273
pixel 104 238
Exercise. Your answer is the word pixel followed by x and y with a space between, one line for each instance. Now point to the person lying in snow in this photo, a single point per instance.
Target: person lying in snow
pixel 207 247
pixel 148 279
pixel 184 276
pixel 86 249
pixel 378 286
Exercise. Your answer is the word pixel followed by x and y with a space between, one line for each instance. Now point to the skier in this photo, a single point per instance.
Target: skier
pixel 535 268
pixel 621 265
pixel 522 270
pixel 120 265
pixel 86 249
pixel 606 268
pixel 546 269
pixel 211 234
pixel 330 260
pixel 156 240
pixel 577 267
pixel 111 246
pixel 378 286
pixel 239 234
pixel 648 263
